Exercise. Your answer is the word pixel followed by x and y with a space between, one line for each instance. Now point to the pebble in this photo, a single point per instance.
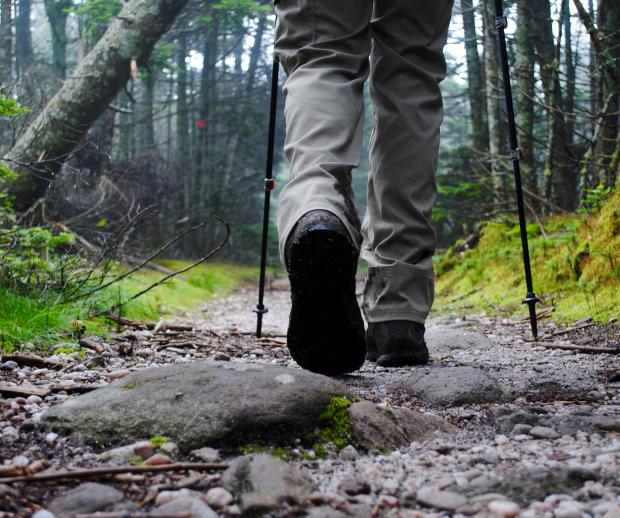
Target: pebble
pixel 34 400
pixel 544 432
pixel 446 500
pixel 567 511
pixel 504 508
pixel 9 366
pixel 218 497
pixel 163 497
pixel 43 513
pixel 5 490
pixel 169 448
pixel 348 453
pixel 221 356
pixel 206 454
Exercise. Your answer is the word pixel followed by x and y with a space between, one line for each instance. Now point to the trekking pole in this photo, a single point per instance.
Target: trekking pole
pixel 530 299
pixel 270 183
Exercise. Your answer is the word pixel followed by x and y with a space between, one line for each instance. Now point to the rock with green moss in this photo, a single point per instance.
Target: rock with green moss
pixel 201 404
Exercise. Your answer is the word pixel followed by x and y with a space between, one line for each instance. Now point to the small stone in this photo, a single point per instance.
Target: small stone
pixel 5 490
pixel 9 366
pixel 354 486
pixel 521 429
pixel 169 448
pixel 446 500
pixel 86 498
pixel 567 511
pixel 50 438
pixel 34 400
pixel 20 460
pixel 504 508
pixel 544 432
pixel 158 459
pixel 185 505
pixel 221 356
pixel 163 497
pixel 206 454
pixel 218 497
pixel 348 453
pixel 43 513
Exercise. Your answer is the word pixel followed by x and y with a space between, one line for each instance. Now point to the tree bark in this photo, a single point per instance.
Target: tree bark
pixel 56 11
pixel 182 125
pixel 524 72
pixel 558 184
pixel 491 66
pixel 6 41
pixel 55 133
pixel 23 36
pixel 475 86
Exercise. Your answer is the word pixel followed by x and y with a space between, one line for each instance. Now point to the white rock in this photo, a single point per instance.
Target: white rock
pixel 51 437
pixel 43 513
pixel 567 511
pixel 164 497
pixel 504 508
pixel 218 497
pixel 34 400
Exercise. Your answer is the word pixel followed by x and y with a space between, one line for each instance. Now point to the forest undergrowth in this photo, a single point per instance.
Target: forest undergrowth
pixel 575 265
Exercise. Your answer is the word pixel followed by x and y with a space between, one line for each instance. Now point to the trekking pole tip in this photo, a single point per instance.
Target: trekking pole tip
pixel 531 299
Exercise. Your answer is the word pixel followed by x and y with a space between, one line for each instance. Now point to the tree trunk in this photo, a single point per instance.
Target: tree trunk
pixel 608 18
pixel 23 36
pixel 491 66
pixel 6 41
pixel 558 182
pixel 147 130
pixel 475 86
pixel 605 134
pixel 524 72
pixel 182 126
pixel 55 133
pixel 57 15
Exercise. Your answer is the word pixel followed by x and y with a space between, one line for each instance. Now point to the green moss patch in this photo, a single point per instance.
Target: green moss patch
pixel 575 266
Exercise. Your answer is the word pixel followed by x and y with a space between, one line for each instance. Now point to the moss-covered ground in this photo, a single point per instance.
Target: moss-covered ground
pixel 575 265
pixel 26 322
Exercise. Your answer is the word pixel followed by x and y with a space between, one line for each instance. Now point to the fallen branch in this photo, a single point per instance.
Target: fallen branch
pixel 114 470
pixel 148 325
pixel 91 344
pixel 568 330
pixel 21 391
pixel 582 348
pixel 128 514
pixel 29 360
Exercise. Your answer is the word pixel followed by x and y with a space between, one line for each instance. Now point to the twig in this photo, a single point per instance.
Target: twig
pixel 24 391
pixel 128 514
pixel 149 325
pixel 91 344
pixel 114 470
pixel 29 360
pixel 582 348
pixel 182 270
pixel 568 330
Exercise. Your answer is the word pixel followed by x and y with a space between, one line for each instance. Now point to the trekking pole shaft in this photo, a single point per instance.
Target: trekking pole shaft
pixel 269 185
pixel 530 300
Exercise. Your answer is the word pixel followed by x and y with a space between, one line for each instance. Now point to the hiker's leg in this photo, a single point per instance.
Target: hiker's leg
pixel 324 48
pixel 407 65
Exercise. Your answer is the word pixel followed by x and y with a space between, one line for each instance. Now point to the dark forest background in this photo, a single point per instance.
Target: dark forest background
pixel 187 132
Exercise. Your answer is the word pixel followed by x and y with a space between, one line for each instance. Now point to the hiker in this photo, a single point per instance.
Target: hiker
pixel 328 50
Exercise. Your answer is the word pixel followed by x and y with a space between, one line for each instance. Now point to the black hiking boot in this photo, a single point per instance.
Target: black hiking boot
pixel 396 343
pixel 326 330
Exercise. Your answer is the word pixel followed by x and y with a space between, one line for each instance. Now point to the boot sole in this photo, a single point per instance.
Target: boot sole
pixel 326 329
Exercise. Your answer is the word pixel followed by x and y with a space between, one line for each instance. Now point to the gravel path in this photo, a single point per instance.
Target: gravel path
pixel 548 447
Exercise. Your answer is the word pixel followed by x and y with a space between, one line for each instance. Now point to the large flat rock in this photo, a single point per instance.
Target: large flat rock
pixel 442 340
pixel 199 404
pixel 451 386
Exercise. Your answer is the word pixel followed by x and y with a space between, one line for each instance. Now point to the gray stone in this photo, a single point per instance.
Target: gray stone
pixel 451 386
pixel 86 498
pixel 163 497
pixel 521 429
pixel 389 428
pixel 200 404
pixel 446 500
pixel 5 490
pixel 354 486
pixel 442 340
pixel 194 507
pixel 544 432
pixel 525 485
pixel 325 511
pixel 261 480
pixel 9 366
pixel 206 454
pixel 42 513
pixel 507 421
pixel 218 497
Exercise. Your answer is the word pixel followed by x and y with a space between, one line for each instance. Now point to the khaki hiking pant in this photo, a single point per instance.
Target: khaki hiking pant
pixel 324 47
